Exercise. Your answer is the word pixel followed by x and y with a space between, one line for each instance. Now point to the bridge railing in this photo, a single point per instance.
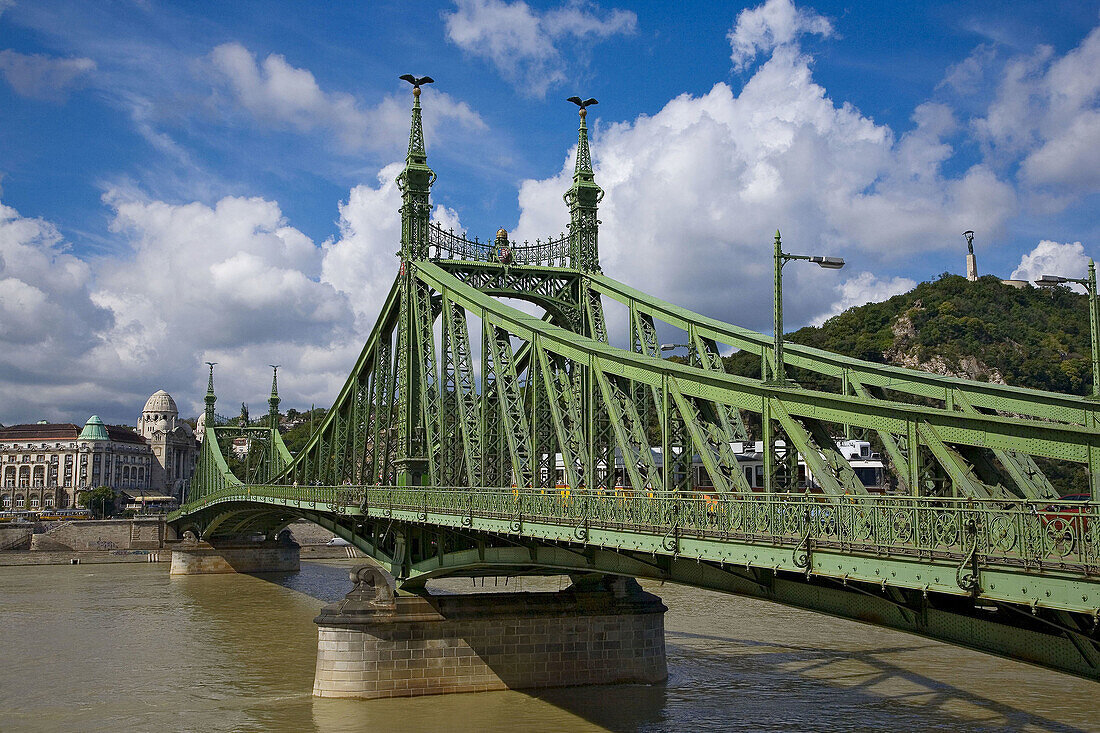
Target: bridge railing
pixel 1027 534
pixel 446 245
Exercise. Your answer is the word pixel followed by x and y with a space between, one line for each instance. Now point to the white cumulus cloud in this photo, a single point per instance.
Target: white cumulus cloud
pixel 766 27
pixel 1066 259
pixel 1046 116
pixel 232 283
pixel 523 43
pixel 696 191
pixel 48 321
pixel 864 288
pixel 278 94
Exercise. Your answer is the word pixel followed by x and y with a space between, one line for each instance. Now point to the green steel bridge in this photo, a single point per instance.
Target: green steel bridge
pixel 439 461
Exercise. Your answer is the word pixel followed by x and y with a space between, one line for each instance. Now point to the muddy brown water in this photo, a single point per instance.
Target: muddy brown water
pixel 129 648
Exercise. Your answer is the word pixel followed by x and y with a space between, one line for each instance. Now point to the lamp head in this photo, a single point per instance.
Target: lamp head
pixel 1048 280
pixel 829 263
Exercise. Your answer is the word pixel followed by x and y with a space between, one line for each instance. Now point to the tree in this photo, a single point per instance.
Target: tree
pixel 101 500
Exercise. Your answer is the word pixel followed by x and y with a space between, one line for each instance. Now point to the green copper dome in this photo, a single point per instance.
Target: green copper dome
pixel 94 429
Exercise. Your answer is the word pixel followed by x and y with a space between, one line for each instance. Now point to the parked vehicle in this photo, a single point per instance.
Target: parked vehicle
pixel 1071 516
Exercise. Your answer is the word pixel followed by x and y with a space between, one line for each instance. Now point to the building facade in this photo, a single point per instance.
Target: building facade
pixel 45 465
pixel 173 443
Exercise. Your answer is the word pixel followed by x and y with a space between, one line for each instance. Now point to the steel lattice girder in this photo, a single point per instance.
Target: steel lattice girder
pixel 1051 440
pixel 1005 398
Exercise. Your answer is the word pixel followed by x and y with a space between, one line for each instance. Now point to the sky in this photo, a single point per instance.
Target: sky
pixel 193 182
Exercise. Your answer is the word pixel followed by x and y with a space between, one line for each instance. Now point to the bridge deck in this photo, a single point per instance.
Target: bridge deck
pixel 1020 552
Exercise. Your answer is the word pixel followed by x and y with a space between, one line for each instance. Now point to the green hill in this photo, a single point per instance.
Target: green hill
pixel 982 330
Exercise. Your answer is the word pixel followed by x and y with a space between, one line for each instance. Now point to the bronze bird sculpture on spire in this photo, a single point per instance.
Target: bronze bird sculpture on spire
pixel 416 81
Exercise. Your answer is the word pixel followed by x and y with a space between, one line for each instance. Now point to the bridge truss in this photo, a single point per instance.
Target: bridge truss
pixel 441 455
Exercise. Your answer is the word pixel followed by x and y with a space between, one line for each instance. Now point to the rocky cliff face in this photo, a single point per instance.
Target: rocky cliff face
pixel 905 352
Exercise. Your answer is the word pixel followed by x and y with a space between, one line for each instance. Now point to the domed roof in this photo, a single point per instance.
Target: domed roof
pixel 94 429
pixel 160 401
pixel 162 425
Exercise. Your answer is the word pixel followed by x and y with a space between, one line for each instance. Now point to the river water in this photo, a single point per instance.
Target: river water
pixel 128 648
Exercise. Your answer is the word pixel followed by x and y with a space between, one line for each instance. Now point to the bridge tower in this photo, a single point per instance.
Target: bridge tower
pixel 415 338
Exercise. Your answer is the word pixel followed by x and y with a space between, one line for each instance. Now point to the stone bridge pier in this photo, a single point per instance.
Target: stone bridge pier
pixel 376 643
pixel 192 556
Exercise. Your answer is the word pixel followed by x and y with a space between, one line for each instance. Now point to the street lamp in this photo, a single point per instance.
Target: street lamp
pixel 782 258
pixel 1089 282
pixel 670 347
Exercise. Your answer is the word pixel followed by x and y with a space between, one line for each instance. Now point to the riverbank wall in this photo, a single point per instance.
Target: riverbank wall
pixel 91 557
pixel 126 540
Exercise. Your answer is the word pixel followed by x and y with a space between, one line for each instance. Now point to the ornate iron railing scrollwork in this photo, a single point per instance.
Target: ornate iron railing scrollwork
pixel 446 245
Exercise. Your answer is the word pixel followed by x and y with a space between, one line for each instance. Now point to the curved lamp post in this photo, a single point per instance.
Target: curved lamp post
pixel 782 258
pixel 1089 282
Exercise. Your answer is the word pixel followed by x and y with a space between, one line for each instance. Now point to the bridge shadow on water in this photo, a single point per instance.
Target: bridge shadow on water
pixel 783 686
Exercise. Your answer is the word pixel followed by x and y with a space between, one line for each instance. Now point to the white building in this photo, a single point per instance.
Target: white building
pixel 172 442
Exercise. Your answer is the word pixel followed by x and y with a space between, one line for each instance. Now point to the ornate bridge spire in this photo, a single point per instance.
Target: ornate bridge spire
pixel 211 398
pixel 583 198
pixel 273 401
pixel 415 183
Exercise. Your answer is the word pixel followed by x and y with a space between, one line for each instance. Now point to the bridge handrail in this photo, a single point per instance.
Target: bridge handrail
pixel 1061 535
pixel 446 245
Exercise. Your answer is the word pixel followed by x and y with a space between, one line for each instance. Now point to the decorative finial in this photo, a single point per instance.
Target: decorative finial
pixel 583 199
pixel 582 104
pixel 417 153
pixel 416 81
pixel 583 167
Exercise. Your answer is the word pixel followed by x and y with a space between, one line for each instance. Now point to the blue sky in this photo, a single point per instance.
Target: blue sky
pixel 183 182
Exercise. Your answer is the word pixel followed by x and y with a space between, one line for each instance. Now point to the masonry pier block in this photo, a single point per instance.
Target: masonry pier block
pixel 191 557
pixel 376 644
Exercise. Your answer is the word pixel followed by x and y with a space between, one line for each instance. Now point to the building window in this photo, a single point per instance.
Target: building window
pixel 5 502
pixel 48 501
pixel 18 501
pixel 34 502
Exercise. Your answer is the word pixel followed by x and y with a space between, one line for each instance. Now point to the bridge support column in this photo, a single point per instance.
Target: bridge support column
pixel 375 643
pixel 194 557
